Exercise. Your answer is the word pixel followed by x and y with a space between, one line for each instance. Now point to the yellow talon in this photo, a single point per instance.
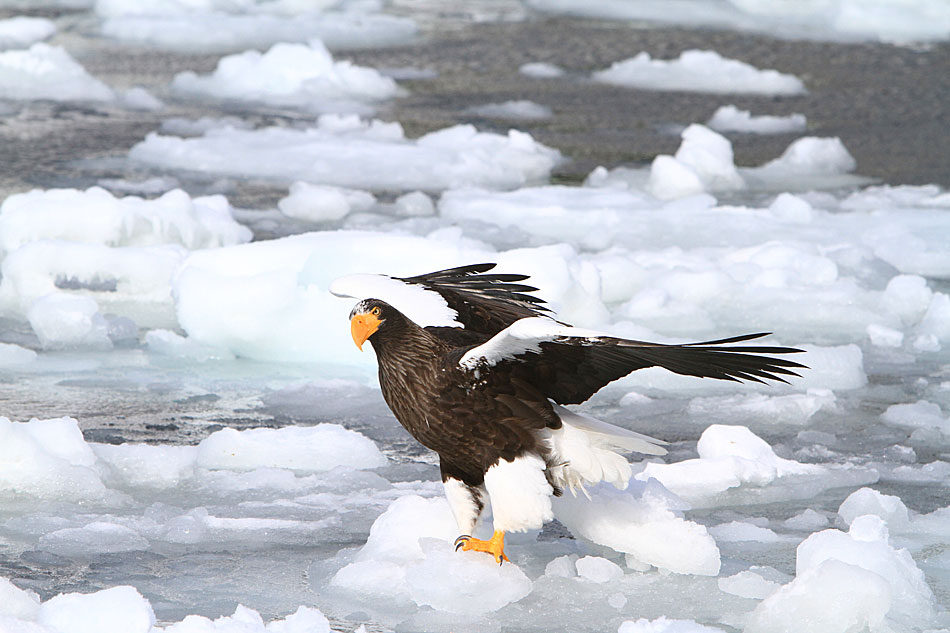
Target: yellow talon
pixel 494 546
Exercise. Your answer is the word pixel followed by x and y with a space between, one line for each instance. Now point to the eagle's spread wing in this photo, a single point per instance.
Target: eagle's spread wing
pixel 468 296
pixel 571 364
pixel 485 303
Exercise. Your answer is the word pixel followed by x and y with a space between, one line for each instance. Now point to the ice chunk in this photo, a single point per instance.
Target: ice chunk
pixel 323 203
pixel 63 320
pixel 807 520
pixel 917 415
pixel 347 152
pixel 710 155
pixel 883 336
pixel 541 70
pixel 138 98
pixel 47 459
pixel 872 584
pixel 562 567
pixel 145 465
pixel 228 27
pixel 699 71
pixel 116 610
pixel 729 118
pixel 644 521
pixel 171 344
pixel 907 296
pixel 303 449
pixel 813 155
pixel 414 204
pixel 597 569
pixel 48 72
pixel 796 408
pixel 732 457
pixel 866 501
pixel 670 178
pixel 22 31
pixel 95 216
pixel 665 625
pixel 468 583
pixel 748 584
pixel 294 75
pixel 518 110
pixel 16 602
pixel 98 537
pixel 134 282
pixel 741 531
pixel 15 355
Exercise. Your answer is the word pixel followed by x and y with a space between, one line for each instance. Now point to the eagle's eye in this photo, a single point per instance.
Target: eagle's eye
pixel 375 311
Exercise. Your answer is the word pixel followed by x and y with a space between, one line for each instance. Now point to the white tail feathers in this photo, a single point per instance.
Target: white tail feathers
pixel 585 451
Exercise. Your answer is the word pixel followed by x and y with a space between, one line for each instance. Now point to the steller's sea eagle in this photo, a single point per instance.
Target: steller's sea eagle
pixel 489 396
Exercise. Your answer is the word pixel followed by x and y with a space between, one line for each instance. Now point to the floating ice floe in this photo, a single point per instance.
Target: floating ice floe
pixel 219 27
pixel 873 585
pixel 349 152
pixel 291 75
pixel 323 203
pixel 541 70
pixel 22 31
pixel 699 71
pixel 121 252
pixel 521 110
pixel 735 466
pixel 123 609
pixel 901 21
pixel 729 118
pixel 48 72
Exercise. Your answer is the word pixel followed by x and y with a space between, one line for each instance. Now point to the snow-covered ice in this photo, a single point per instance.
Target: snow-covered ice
pixel 349 152
pixel 48 72
pixel 514 110
pixel 218 27
pixel 900 21
pixel 22 31
pixel 303 76
pixel 729 118
pixel 699 71
pixel 288 498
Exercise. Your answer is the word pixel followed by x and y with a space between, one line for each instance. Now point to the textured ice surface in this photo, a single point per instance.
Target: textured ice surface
pixel 729 118
pixel 48 72
pixel 210 27
pixel 293 75
pixel 901 21
pixel 345 151
pixel 516 110
pixel 22 31
pixel 699 71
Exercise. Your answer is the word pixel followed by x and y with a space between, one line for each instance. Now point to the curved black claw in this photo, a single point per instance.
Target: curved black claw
pixel 460 541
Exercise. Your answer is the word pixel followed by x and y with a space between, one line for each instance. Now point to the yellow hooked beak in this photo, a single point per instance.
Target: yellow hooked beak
pixel 363 326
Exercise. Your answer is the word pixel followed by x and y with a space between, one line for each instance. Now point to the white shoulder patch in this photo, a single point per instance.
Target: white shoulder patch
pixel 424 307
pixel 524 335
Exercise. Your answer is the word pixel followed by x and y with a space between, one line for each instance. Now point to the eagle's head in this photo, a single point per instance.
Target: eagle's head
pixel 370 316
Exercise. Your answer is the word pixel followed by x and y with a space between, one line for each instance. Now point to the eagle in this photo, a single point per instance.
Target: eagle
pixel 486 389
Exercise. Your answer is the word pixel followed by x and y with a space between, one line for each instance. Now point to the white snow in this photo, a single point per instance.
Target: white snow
pixel 736 465
pixel 95 216
pixel 900 21
pixel 645 522
pixel 221 27
pixel 348 152
pixel 48 72
pixel 873 585
pixel 541 70
pixel 323 203
pixel 301 449
pixel 519 110
pixel 729 118
pixel 22 31
pixel 290 75
pixel 699 71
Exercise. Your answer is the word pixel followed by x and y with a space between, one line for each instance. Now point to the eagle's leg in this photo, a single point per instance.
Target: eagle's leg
pixel 494 546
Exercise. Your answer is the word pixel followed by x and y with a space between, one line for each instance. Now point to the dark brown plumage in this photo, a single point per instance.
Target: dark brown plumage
pixel 497 404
